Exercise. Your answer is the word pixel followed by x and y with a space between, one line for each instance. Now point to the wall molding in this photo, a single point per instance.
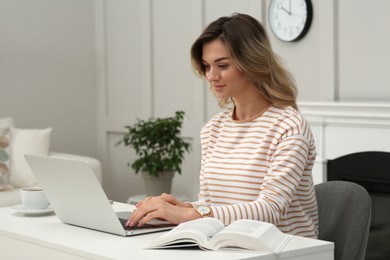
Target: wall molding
pixel 351 113
pixel 340 128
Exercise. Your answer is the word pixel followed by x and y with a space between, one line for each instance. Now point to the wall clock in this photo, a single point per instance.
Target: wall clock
pixel 290 19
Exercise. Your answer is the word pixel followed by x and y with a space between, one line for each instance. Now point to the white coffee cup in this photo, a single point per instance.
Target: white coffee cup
pixel 33 198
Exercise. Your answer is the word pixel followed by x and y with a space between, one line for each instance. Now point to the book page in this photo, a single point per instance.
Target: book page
pixel 250 235
pixel 195 232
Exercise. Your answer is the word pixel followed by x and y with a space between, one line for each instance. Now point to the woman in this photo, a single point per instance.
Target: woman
pixel 257 157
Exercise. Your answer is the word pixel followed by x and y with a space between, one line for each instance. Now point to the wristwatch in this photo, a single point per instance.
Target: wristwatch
pixel 204 211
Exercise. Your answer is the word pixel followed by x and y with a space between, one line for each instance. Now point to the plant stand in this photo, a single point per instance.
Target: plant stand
pixel 156 185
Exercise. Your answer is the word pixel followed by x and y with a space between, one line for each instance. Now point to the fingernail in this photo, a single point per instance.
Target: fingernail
pixel 128 223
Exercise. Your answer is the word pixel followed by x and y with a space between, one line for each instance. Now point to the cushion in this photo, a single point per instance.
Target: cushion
pixel 5 126
pixel 6 122
pixel 26 141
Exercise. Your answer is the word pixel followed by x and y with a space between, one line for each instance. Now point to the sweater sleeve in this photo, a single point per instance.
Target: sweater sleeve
pixel 285 170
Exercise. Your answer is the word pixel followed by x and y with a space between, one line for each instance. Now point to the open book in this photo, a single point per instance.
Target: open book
pixel 211 234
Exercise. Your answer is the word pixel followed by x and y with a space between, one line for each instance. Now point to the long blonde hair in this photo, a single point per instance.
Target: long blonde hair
pixel 252 53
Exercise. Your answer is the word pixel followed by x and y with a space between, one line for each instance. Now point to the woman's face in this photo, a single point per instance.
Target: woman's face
pixel 221 71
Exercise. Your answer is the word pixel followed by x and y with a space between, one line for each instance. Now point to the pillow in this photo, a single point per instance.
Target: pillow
pixel 7 122
pixel 5 125
pixel 26 141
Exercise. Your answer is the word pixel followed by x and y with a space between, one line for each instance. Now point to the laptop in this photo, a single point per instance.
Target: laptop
pixel 78 199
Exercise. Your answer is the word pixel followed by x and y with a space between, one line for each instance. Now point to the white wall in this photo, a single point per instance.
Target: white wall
pixel 144 70
pixel 344 56
pixel 50 74
pixel 363 62
pixel 143 54
pixel 47 70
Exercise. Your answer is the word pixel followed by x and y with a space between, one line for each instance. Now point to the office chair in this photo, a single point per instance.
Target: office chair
pixel 344 213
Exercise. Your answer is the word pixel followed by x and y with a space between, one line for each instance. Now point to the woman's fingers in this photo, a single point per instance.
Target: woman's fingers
pixel 144 200
pixel 148 205
pixel 148 217
pixel 174 201
pixel 169 198
pixel 165 207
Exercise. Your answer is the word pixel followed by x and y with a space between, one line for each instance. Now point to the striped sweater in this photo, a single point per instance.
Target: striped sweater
pixel 260 169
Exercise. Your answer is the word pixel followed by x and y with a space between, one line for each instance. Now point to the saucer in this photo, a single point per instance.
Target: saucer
pixel 22 209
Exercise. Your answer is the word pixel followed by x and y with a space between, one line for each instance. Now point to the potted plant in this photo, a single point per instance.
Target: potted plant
pixel 160 150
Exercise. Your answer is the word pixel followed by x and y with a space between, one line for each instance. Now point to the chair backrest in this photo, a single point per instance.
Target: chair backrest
pixel 344 210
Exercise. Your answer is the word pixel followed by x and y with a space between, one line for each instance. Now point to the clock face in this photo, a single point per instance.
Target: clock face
pixel 290 19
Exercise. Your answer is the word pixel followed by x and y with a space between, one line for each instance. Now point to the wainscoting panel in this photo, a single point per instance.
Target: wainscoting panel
pixel 145 71
pixel 364 59
pixel 171 66
pixel 126 58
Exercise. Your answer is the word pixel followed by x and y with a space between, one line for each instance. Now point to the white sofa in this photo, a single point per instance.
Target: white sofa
pixel 12 197
pixel 14 170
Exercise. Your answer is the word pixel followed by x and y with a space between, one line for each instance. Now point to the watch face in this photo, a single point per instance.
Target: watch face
pixel 290 19
pixel 203 210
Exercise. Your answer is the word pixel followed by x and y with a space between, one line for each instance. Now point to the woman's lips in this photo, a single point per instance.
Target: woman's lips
pixel 218 88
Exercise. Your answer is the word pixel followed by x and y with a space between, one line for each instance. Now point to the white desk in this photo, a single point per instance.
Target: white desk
pixel 45 237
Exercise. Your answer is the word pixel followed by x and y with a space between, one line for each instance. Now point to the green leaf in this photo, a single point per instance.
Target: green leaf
pixel 157 144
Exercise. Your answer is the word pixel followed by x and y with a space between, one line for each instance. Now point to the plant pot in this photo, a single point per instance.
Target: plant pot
pixel 155 186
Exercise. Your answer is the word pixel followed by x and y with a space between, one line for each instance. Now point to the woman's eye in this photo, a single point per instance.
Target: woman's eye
pixel 223 66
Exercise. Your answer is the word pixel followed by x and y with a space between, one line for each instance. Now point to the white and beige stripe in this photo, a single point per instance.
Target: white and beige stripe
pixel 260 170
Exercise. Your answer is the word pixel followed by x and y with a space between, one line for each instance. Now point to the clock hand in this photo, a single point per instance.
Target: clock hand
pixel 289 6
pixel 299 15
pixel 284 9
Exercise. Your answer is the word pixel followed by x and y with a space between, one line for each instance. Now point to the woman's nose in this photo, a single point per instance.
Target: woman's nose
pixel 212 75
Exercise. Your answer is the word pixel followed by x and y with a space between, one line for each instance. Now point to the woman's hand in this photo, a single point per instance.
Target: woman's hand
pixel 165 207
pixel 168 198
